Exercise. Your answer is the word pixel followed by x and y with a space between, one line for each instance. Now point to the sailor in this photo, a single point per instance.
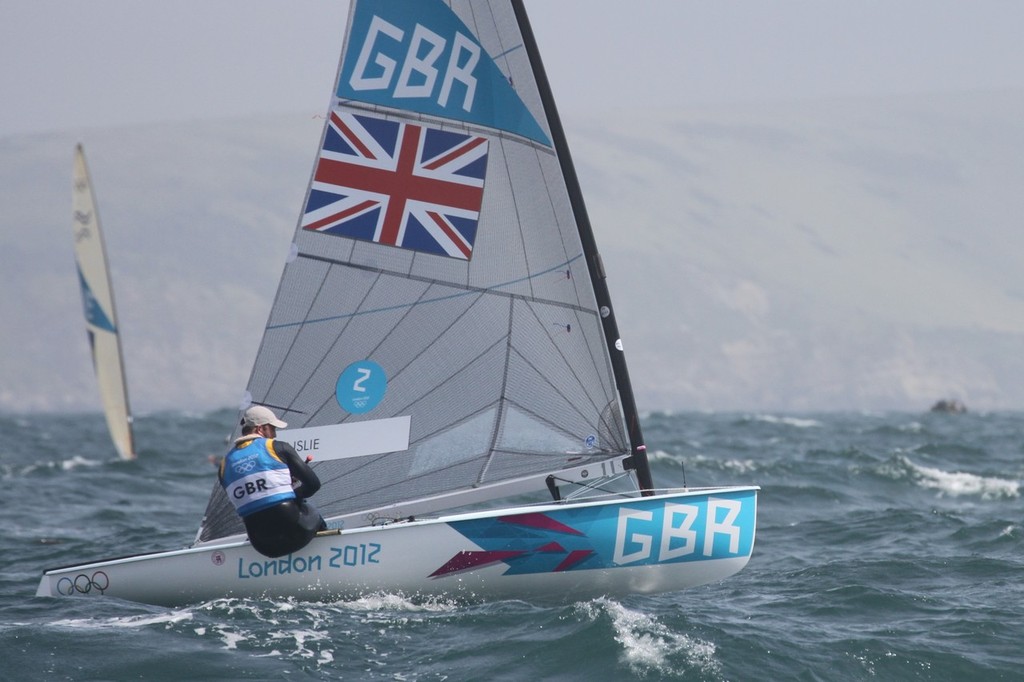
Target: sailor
pixel 268 482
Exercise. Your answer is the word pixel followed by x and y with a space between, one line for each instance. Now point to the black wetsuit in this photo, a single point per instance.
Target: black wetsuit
pixel 287 526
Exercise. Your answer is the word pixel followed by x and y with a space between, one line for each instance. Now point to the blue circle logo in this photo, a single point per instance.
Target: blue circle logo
pixel 361 386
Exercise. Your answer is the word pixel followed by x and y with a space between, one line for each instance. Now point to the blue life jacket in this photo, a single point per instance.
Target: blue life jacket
pixel 254 477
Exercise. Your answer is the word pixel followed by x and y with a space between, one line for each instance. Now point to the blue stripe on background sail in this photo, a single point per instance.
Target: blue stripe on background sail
pixel 94 313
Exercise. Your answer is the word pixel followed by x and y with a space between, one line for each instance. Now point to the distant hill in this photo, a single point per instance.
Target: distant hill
pixel 848 254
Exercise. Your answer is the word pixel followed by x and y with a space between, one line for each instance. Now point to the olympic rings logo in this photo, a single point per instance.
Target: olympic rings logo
pixel 83 584
pixel 244 467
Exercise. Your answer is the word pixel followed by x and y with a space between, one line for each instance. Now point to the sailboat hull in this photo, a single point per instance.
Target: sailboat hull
pixel 554 552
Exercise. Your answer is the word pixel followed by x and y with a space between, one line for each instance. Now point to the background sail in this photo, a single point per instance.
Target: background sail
pixel 98 304
pixel 437 257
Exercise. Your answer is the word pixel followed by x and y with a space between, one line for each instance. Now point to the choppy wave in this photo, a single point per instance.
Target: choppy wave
pixel 800 423
pixel 889 546
pixel 957 483
pixel 650 648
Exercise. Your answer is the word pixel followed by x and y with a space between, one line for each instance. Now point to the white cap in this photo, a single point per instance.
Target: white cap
pixel 257 415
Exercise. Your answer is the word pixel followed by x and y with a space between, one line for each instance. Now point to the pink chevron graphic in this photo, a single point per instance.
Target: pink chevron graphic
pixel 575 557
pixel 551 547
pixel 540 521
pixel 465 560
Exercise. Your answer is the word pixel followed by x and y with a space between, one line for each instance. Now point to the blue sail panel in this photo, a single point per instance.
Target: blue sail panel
pixel 94 313
pixel 419 56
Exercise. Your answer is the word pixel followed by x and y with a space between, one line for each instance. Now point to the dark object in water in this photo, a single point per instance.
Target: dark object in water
pixel 954 406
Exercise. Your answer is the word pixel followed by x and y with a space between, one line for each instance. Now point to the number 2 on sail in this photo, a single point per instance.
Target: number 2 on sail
pixel 361 386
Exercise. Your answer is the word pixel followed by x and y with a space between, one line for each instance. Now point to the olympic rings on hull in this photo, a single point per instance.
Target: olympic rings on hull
pixel 83 584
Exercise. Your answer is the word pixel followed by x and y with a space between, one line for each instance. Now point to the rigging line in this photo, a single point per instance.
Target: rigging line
pixel 469 291
pixel 291 345
pixel 566 361
pixel 597 485
pixel 439 337
pixel 504 52
pixel 556 391
pixel 605 374
pixel 509 50
pixel 556 180
pixel 515 209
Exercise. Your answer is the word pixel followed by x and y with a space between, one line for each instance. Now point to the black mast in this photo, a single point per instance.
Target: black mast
pixel 597 274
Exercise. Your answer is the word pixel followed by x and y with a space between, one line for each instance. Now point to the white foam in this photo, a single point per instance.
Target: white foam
pixel 788 421
pixel 126 621
pixel 958 483
pixel 649 646
pixel 741 466
pixel 77 462
pixel 298 628
pixel 383 601
pixel 301 637
pixel 230 639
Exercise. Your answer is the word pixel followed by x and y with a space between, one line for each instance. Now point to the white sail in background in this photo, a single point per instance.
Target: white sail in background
pixel 98 304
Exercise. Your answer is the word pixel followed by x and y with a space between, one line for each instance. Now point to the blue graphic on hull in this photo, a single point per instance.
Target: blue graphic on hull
pixel 634 533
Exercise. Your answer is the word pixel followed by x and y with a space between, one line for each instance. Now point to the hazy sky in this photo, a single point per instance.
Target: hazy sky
pixel 883 187
pixel 67 65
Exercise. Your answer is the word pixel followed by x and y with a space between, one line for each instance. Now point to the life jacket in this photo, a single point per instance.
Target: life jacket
pixel 254 477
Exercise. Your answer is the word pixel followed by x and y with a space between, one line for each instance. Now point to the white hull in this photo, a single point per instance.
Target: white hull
pixel 562 552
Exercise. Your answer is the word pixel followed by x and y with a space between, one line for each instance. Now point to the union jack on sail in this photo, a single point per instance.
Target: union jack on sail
pixel 399 184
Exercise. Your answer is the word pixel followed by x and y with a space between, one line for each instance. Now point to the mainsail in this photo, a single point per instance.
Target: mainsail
pixel 443 278
pixel 98 303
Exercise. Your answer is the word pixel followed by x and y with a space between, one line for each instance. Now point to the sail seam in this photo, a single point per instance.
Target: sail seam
pixel 468 291
pixel 503 401
pixel 328 399
pixel 444 123
pixel 565 360
pixel 291 346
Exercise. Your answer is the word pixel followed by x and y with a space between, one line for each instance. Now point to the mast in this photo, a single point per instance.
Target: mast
pixel 590 252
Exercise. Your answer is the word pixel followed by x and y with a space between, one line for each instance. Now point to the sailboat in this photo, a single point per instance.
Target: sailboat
pixel 443 344
pixel 100 316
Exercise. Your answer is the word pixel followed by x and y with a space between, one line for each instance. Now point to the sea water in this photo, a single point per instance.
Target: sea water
pixel 889 547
